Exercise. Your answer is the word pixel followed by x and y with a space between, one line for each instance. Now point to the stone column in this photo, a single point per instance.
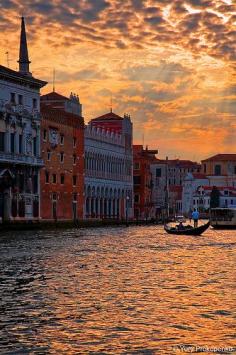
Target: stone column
pixel 38 148
pixel 98 211
pixel 89 207
pixel 7 140
pixel 16 142
pixel 23 142
pixel 7 205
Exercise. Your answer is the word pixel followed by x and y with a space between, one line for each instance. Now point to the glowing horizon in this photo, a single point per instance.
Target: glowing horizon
pixel 171 67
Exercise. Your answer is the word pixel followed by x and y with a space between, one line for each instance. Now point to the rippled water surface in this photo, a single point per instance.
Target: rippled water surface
pixel 122 290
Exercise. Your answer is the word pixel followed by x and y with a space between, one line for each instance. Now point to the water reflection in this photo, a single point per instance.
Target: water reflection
pixel 117 290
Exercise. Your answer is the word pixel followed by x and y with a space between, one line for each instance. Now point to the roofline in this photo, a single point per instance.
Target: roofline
pixel 17 76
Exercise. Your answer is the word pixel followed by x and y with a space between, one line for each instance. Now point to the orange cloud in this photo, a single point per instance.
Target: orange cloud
pixel 171 65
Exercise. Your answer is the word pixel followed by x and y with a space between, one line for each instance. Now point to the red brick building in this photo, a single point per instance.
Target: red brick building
pixel 143 184
pixel 62 147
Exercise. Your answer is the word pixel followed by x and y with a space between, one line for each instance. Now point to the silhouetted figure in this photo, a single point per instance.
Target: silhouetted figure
pixel 180 226
pixel 195 217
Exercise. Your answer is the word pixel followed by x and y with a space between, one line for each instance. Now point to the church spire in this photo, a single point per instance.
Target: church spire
pixel 23 54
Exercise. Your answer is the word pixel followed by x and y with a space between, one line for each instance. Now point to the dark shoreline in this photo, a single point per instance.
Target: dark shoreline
pixel 48 225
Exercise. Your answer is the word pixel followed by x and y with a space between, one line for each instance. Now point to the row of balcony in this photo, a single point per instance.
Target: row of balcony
pixel 16 109
pixel 20 159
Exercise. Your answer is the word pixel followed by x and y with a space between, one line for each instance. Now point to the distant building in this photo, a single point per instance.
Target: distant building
pixel 20 156
pixel 143 182
pixel 197 190
pixel 62 144
pixel 168 177
pixel 108 167
pixel 220 165
pixel 202 197
pixel 191 184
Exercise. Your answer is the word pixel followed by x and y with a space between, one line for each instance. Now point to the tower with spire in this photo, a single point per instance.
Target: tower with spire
pixel 23 61
pixel 20 153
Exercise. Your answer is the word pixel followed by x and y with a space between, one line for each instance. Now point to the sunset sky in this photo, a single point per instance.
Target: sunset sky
pixel 169 64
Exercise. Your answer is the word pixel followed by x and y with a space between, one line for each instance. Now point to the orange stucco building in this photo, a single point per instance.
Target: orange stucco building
pixel 220 164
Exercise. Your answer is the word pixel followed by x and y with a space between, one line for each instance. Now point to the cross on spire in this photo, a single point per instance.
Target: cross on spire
pixel 23 53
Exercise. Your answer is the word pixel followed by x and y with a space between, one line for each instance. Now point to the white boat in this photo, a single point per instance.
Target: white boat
pixel 223 218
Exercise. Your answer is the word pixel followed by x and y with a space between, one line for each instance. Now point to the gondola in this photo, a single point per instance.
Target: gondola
pixel 187 231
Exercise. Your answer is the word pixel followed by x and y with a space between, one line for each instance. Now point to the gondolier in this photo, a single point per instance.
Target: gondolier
pixel 195 217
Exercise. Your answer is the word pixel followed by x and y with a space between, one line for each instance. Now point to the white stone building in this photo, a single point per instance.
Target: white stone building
pixel 109 168
pixel 19 139
pixel 197 190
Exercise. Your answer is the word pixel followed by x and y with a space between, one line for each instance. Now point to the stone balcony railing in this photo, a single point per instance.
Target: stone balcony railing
pixel 20 159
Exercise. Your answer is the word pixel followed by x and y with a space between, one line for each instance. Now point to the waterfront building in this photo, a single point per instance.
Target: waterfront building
pixel 168 177
pixel 108 167
pixel 20 157
pixel 62 144
pixel 202 197
pixel 191 183
pixel 143 182
pixel 220 165
pixel 197 188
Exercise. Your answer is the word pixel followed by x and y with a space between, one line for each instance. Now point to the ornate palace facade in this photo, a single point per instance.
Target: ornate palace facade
pixel 20 159
pixel 108 167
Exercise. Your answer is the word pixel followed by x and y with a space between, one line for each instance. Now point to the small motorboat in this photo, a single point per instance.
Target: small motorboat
pixel 187 230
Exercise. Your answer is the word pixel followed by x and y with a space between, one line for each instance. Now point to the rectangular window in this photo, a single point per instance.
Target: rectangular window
pixel 44 134
pixel 54 178
pixel 74 159
pixel 136 166
pixel 74 142
pixel 34 146
pixel 235 170
pixel 61 157
pixel 35 184
pixel 218 169
pixel 75 197
pixel 20 143
pixel 62 139
pixel 20 99
pixel 62 179
pixel 13 98
pixel 35 103
pixel 48 155
pixel 12 142
pixel 74 178
pixel 137 180
pixel 54 196
pixel 46 177
pixel 136 198
pixel 2 141
pixel 158 172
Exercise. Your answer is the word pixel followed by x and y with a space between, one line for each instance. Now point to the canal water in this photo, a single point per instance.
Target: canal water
pixel 117 290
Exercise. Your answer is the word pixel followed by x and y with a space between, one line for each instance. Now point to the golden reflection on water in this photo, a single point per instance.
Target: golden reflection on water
pixel 118 290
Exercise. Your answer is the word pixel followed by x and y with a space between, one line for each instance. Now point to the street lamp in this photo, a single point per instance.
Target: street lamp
pixel 127 207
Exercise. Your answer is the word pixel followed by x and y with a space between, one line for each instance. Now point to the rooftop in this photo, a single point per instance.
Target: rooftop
pixel 9 74
pixel 110 116
pixel 53 96
pixel 221 157
pixel 55 114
